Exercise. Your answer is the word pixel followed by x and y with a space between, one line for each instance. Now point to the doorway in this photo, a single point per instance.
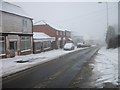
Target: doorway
pixel 13 47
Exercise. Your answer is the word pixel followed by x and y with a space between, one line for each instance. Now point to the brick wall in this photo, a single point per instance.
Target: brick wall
pixel 46 29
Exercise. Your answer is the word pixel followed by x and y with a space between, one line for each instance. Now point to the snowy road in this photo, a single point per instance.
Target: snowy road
pixel 9 65
pixel 57 73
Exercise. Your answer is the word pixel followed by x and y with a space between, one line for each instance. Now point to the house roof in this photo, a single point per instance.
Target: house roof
pixel 41 22
pixel 40 35
pixel 43 25
pixel 37 28
pixel 14 9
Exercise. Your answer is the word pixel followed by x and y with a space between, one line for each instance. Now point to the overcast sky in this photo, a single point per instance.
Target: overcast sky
pixel 86 19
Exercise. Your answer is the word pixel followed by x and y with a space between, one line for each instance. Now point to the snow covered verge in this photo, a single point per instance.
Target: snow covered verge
pixel 10 65
pixel 106 66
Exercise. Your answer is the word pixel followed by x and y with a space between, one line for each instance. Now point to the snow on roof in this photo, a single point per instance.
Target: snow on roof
pixel 39 35
pixel 14 9
pixel 42 22
pixel 60 30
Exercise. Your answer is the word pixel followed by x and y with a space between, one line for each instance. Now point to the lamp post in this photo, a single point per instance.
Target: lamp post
pixel 106 11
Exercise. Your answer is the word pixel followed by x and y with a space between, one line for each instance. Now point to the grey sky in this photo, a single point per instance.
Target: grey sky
pixel 87 19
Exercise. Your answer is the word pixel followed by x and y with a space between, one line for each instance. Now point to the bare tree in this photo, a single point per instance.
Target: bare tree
pixel 110 37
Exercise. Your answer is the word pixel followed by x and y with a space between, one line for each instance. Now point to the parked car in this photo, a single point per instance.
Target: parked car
pixel 69 46
pixel 79 45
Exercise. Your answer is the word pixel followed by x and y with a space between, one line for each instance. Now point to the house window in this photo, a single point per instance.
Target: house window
pixel 25 42
pixel 2 45
pixel 38 45
pixel 64 33
pixel 60 33
pixel 13 45
pixel 47 44
pixel 24 22
pixel 57 32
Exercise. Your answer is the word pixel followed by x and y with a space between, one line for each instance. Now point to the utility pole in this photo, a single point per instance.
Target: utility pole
pixel 106 12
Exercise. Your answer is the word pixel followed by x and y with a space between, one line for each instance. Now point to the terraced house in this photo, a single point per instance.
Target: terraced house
pixel 15 32
pixel 61 36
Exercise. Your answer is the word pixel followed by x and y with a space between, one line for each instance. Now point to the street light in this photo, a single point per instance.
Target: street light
pixel 106 11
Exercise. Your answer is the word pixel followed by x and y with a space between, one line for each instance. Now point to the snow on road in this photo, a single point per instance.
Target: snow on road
pixel 106 66
pixel 9 65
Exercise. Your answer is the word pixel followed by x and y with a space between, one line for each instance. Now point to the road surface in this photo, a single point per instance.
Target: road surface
pixel 57 73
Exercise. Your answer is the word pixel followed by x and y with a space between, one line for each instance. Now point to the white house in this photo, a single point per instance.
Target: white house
pixel 16 32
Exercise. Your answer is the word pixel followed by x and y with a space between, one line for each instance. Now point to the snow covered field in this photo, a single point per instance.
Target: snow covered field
pixel 106 66
pixel 9 65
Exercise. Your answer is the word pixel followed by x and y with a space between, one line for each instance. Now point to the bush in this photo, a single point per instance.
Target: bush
pixel 114 42
pixel 118 40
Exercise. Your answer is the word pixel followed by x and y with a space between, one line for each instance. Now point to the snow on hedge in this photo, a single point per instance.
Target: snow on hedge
pixel 106 66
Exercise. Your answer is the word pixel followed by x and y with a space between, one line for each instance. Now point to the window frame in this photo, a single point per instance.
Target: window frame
pixel 24 23
pixel 25 42
pixel 2 40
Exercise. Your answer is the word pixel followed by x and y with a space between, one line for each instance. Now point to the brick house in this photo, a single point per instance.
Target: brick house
pixel 68 36
pixel 16 32
pixel 59 35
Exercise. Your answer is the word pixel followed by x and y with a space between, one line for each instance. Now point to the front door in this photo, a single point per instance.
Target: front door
pixel 13 46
